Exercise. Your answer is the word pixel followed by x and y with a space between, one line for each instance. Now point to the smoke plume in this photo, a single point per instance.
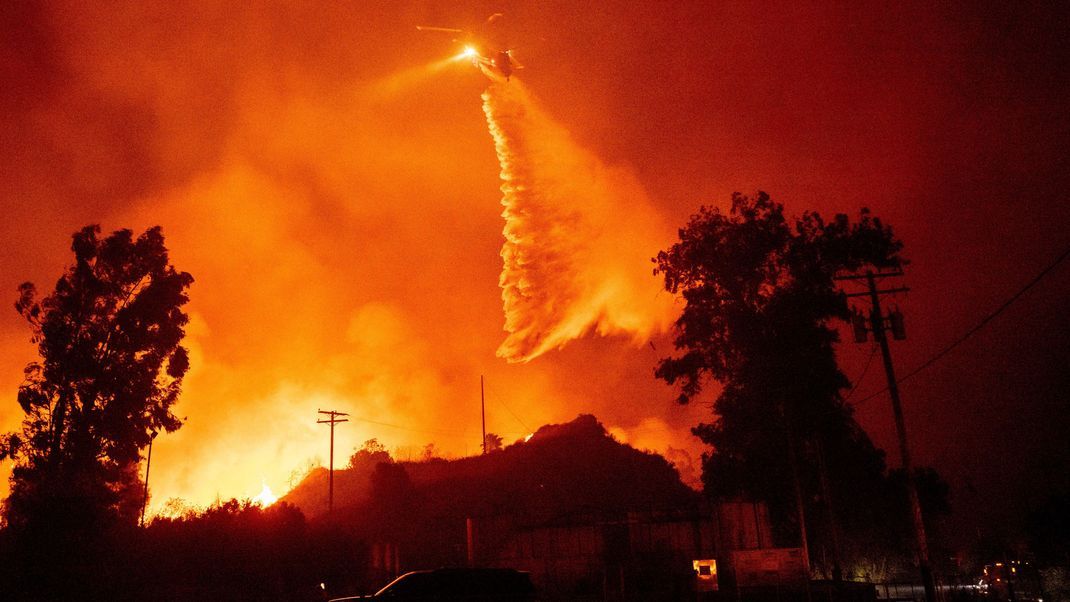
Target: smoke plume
pixel 579 235
pixel 334 197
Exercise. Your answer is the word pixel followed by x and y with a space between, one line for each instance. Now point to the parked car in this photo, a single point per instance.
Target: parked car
pixel 483 585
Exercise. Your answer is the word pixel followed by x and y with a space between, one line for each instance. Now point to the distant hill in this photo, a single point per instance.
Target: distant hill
pixel 351 487
pixel 564 472
pixel 562 469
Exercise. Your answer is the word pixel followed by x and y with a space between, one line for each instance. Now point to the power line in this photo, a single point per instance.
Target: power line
pixel 940 354
pixel 424 431
pixel 406 428
pixel 862 376
pixel 511 412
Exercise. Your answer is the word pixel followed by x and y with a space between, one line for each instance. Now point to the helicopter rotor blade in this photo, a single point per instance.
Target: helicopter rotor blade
pixel 446 29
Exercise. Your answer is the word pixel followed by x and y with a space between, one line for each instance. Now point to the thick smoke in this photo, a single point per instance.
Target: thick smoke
pixel 317 190
pixel 579 235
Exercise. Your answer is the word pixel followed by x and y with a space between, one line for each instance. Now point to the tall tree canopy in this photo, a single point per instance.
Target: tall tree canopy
pixel 109 372
pixel 760 291
pixel 760 296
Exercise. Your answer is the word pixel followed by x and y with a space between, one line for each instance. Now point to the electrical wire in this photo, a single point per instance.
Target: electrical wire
pixel 499 401
pixel 448 431
pixel 405 428
pixel 858 381
pixel 940 354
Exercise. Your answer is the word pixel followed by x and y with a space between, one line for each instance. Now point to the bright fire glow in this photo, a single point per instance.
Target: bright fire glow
pixel 265 498
pixel 469 52
pixel 338 183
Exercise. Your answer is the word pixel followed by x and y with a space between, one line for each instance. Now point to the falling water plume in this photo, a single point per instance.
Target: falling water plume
pixel 579 235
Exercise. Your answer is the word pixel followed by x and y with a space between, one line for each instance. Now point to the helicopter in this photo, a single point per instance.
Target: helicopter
pixel 483 54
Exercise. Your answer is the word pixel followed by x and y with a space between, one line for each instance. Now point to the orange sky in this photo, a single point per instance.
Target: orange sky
pixel 332 186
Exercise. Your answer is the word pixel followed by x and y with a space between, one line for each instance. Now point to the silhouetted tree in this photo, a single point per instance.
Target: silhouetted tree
pixel 371 453
pixel 109 372
pixel 393 501
pixel 429 453
pixel 493 442
pixel 237 550
pixel 760 297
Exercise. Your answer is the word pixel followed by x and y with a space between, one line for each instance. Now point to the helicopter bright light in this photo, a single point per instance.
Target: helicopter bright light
pixel 494 63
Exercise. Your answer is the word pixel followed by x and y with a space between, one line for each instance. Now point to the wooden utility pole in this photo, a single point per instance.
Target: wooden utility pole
pixel 830 513
pixel 333 419
pixel 879 329
pixel 148 466
pixel 483 412
pixel 800 510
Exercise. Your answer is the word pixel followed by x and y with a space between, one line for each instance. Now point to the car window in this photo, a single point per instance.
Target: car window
pixel 449 584
pixel 411 584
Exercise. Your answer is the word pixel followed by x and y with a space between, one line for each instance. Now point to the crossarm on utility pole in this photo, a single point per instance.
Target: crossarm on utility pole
pixel 333 419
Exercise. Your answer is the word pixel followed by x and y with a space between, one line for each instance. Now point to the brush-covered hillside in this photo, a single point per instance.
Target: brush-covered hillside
pixel 562 469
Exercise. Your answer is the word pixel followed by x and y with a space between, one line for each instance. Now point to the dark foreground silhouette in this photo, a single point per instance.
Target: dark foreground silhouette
pixel 414 512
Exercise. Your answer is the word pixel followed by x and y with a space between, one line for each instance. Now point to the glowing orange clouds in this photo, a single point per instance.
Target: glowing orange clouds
pixel 335 194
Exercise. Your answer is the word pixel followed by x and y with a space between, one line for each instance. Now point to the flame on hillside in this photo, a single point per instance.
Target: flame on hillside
pixel 265 498
pixel 337 208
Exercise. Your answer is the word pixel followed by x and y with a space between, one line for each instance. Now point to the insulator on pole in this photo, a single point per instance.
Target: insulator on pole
pixel 858 322
pixel 898 328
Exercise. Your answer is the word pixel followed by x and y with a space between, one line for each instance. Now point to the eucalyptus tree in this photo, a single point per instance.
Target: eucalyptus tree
pixel 109 372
